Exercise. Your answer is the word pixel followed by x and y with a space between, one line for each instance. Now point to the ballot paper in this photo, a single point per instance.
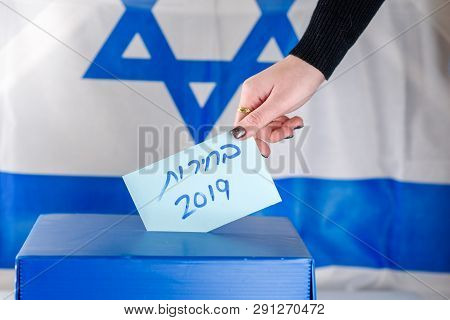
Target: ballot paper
pixel 203 187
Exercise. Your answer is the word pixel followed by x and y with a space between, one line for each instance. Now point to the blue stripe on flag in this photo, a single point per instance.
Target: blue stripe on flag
pixel 343 222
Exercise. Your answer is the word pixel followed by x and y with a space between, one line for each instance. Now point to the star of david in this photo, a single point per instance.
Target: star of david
pixel 177 74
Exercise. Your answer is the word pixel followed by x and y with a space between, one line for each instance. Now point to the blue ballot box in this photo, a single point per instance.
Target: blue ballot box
pixel 98 256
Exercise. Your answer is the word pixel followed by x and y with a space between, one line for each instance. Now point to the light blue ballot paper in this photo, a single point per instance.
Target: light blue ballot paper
pixel 203 187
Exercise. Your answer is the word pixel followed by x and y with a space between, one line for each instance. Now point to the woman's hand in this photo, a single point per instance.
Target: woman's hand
pixel 270 95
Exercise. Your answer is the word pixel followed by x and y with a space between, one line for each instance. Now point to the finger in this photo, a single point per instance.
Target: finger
pixel 278 122
pixel 264 133
pixel 263 147
pixel 249 98
pixel 284 132
pixel 273 125
pixel 281 119
pixel 257 119
pixel 294 123
pixel 240 115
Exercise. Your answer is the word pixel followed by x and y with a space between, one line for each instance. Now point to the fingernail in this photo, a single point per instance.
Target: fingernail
pixel 299 127
pixel 290 137
pixel 265 156
pixel 238 132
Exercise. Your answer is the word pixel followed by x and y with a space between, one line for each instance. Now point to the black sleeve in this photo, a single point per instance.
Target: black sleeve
pixel 334 28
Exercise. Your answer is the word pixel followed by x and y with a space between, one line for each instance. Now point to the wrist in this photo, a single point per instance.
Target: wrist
pixel 305 69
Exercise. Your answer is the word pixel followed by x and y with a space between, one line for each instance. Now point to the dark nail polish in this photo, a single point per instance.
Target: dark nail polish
pixel 265 156
pixel 290 137
pixel 238 132
pixel 299 127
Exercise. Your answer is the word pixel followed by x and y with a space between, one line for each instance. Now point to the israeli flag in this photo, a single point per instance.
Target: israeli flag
pixel 91 90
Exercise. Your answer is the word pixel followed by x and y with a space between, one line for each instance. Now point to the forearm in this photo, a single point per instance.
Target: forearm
pixel 335 26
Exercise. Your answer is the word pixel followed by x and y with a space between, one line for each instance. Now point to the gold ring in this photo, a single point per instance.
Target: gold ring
pixel 244 110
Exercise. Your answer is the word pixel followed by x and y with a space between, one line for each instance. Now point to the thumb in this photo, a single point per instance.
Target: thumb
pixel 256 120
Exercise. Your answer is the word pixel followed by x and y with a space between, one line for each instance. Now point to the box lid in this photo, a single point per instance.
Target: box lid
pixel 125 235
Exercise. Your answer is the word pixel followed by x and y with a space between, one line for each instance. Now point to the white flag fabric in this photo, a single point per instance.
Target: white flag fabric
pixel 91 90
